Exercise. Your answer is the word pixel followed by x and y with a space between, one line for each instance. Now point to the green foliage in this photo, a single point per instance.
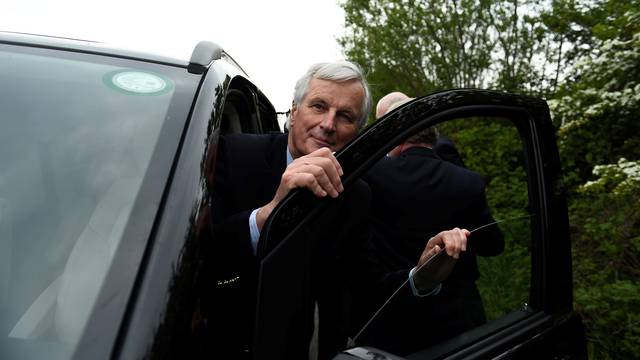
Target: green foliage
pixel 596 115
pixel 423 46
pixel 605 217
pixel 614 330
pixel 578 27
pixel 434 36
pixel 505 291
pixel 598 112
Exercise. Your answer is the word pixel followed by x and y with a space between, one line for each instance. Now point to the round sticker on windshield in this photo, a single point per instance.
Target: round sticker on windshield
pixel 138 82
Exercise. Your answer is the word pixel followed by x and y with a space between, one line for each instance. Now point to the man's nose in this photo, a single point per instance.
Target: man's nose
pixel 329 121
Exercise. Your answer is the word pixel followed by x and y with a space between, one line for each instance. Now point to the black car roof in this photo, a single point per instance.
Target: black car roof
pixel 202 56
pixel 85 46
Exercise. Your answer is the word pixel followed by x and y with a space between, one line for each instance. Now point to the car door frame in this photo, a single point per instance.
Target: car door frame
pixel 550 311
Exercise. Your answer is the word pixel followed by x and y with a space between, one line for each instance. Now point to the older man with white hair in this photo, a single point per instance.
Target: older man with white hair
pixel 255 172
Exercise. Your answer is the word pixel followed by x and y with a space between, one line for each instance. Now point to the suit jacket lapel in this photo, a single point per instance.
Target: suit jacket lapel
pixel 276 160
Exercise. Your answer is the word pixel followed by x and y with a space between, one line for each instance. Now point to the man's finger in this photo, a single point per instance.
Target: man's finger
pixel 304 180
pixel 433 252
pixel 337 164
pixel 328 154
pixel 333 170
pixel 466 234
pixel 327 165
pixel 310 182
pixel 455 241
pixel 321 176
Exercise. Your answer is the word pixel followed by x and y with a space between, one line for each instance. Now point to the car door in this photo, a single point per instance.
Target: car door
pixel 526 290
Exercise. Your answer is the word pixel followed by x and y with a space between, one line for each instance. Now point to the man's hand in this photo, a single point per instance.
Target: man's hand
pixel 318 171
pixel 453 242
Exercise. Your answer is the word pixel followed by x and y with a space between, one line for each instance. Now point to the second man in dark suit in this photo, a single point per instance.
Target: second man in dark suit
pixel 415 192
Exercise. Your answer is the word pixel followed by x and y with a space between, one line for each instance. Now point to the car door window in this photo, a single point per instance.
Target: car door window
pixel 473 177
pixel 495 142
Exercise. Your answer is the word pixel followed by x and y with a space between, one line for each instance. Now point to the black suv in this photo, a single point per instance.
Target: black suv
pixel 108 162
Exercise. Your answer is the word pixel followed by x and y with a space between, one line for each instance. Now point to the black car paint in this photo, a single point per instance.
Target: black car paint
pixel 161 320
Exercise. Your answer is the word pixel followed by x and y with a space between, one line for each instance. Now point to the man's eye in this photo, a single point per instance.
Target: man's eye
pixel 347 118
pixel 317 106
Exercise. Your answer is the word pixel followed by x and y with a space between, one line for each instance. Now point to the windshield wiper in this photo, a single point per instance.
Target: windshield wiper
pixel 434 259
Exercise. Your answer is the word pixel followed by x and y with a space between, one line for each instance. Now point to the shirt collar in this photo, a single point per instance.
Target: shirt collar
pixel 289 156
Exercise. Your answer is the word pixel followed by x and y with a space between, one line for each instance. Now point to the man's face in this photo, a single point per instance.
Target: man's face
pixel 328 116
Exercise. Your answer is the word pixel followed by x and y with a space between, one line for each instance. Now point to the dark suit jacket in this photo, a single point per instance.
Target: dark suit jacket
pixel 415 196
pixel 446 150
pixel 247 175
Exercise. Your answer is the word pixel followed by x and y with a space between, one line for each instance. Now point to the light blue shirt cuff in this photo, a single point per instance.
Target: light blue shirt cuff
pixel 253 231
pixel 253 225
pixel 416 292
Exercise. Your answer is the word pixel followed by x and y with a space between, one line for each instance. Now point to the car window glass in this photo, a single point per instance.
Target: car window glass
pixel 473 176
pixel 477 177
pixel 77 137
pixel 493 148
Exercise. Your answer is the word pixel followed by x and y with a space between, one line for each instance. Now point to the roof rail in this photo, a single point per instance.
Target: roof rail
pixel 203 54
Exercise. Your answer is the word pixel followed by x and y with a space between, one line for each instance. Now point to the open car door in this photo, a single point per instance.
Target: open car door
pixel 526 291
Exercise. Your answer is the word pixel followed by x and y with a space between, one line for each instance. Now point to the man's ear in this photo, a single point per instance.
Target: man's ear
pixel 292 115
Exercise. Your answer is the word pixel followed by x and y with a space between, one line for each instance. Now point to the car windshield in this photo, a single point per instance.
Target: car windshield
pixel 78 133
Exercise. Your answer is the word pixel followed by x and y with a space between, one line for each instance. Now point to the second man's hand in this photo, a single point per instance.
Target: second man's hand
pixel 453 242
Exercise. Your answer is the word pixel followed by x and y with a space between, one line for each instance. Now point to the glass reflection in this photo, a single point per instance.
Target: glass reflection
pixel 430 183
pixel 77 138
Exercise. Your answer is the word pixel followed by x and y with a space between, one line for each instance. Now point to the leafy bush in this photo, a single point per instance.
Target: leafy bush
pixel 504 283
pixel 596 113
pixel 605 217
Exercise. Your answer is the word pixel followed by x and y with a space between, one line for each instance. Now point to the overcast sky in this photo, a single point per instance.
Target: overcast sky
pixel 274 41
